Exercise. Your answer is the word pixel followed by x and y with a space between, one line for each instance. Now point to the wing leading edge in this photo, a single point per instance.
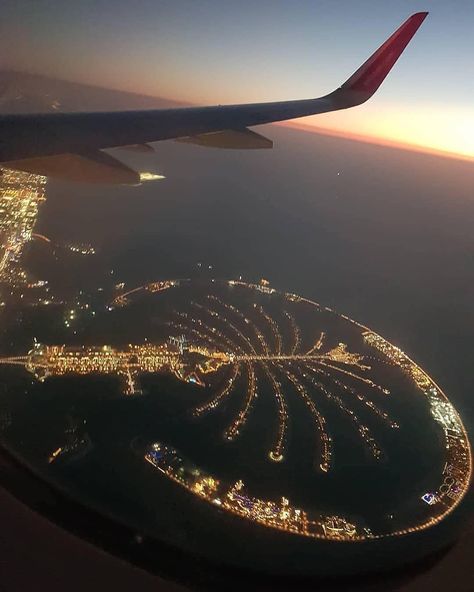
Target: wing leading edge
pixel 24 139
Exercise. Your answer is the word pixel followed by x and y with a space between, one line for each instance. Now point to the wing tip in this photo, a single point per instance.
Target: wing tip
pixel 367 79
pixel 419 17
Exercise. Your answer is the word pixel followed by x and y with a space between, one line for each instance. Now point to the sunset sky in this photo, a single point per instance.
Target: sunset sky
pixel 218 51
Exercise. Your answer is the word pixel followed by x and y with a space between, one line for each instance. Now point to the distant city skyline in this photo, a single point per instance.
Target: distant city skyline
pixel 212 52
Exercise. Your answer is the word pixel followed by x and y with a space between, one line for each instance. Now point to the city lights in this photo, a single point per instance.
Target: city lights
pixel 279 515
pixel 21 195
pixel 234 351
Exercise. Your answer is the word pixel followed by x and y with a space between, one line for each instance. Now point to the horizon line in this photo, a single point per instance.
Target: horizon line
pixel 376 140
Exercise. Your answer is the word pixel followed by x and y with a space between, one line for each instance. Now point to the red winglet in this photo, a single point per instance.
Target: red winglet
pixel 372 73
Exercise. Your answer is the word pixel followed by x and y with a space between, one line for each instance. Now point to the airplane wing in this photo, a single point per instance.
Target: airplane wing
pixel 70 144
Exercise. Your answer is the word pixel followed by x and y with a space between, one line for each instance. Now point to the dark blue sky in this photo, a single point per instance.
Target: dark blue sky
pixel 212 51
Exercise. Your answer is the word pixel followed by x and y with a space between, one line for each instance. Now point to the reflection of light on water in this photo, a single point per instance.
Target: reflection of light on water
pixel 146 176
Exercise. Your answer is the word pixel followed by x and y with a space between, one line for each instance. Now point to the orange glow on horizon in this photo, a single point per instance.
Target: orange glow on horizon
pixel 378 141
pixel 447 133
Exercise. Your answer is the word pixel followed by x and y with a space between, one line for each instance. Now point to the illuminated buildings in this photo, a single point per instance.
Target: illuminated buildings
pixel 283 358
pixel 193 361
pixel 272 354
pixel 124 298
pixel 58 360
pixel 278 515
pixel 233 429
pixel 214 338
pixel 81 249
pixel 213 343
pixel 457 469
pixel 20 197
pixel 258 343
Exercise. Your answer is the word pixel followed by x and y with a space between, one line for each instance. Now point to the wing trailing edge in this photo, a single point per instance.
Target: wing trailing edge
pixel 235 139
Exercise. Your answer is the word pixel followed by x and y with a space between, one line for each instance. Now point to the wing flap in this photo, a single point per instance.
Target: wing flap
pixel 234 139
pixel 140 148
